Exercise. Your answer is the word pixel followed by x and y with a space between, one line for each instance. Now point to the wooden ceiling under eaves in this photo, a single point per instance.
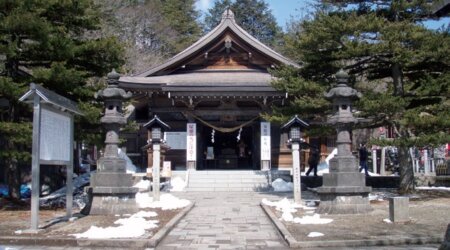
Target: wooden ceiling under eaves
pixel 228 52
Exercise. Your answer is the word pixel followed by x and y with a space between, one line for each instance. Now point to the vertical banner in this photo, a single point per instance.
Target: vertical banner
pixel 265 141
pixel 191 142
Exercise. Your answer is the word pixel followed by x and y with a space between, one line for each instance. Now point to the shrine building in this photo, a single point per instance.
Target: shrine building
pixel 212 96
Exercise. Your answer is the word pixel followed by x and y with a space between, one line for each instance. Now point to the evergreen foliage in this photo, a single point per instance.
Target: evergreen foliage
pixel 152 30
pixel 254 16
pixel 47 42
pixel 401 67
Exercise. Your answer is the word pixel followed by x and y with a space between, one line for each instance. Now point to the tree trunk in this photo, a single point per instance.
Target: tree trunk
pixel 13 178
pixel 397 77
pixel 406 171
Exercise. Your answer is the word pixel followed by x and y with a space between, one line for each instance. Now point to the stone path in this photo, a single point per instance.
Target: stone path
pixel 224 220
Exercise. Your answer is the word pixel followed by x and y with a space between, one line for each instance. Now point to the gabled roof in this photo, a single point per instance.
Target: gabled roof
pixel 228 23
pixel 50 97
pixel 294 121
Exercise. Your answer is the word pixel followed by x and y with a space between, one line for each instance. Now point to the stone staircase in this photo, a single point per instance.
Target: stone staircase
pixel 227 180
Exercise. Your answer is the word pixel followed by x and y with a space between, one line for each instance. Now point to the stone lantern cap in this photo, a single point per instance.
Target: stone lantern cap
pixel 342 90
pixel 295 121
pixel 156 122
pixel 112 91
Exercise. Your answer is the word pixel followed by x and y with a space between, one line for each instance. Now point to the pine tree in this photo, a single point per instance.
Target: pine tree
pixel 401 67
pixel 47 42
pixel 182 17
pixel 151 30
pixel 254 16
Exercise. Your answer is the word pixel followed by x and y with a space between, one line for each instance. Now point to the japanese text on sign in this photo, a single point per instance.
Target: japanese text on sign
pixel 265 141
pixel 191 143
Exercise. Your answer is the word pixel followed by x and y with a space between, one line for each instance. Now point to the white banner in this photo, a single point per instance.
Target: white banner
pixel 265 141
pixel 191 142
pixel 54 136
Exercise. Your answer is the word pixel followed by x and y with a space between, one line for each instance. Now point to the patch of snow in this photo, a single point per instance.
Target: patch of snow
pixel 287 208
pixel 18 232
pixel 314 219
pixel 131 168
pixel 177 184
pixel 279 185
pixel 387 221
pixel 315 234
pixel 330 156
pixel 375 196
pixel 166 201
pixel 434 188
pixel 323 171
pixel 131 227
pixel 143 185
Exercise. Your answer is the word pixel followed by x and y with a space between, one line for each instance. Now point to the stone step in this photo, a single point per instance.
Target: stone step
pixel 227 177
pixel 226 189
pixel 228 172
pixel 237 185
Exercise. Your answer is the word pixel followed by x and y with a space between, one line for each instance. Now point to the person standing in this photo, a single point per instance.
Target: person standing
pixel 363 154
pixel 313 161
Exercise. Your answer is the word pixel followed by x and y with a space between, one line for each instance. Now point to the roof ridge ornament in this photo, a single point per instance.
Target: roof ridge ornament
pixel 228 14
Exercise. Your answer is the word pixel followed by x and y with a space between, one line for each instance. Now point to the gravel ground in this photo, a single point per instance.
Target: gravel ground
pixel 429 214
pixel 15 217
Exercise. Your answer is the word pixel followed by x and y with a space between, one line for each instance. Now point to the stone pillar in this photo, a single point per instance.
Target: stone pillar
pixel 344 189
pixel 296 172
pixel 426 163
pixel 111 188
pixel 265 146
pixel 383 162
pixel 374 161
pixel 191 147
pixel 156 170
pixel 399 209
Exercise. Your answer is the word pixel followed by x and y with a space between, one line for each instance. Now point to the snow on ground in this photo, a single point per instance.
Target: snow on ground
pixel 315 234
pixel 330 156
pixel 131 168
pixel 166 201
pixel 287 208
pixel 387 221
pixel 434 188
pixel 143 185
pixel 131 227
pixel 177 184
pixel 279 185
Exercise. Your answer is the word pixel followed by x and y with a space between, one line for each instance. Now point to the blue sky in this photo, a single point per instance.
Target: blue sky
pixel 283 10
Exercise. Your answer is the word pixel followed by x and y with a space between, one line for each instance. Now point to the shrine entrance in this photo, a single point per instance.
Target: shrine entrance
pixel 228 151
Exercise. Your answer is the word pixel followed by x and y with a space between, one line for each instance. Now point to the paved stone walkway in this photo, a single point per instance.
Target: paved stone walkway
pixel 224 220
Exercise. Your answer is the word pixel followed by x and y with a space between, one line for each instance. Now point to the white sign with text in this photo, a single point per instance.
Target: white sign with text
pixel 265 141
pixel 191 142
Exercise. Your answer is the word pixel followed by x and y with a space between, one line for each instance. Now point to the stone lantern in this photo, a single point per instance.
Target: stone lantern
pixel 294 127
pixel 344 189
pixel 111 187
pixel 156 128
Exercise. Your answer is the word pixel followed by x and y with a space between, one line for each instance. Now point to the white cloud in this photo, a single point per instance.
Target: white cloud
pixel 203 5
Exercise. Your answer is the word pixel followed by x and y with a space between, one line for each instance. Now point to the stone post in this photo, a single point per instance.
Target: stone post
pixel 156 170
pixel 383 162
pixel 111 189
pixel 294 127
pixel 296 172
pixel 157 128
pixel 344 189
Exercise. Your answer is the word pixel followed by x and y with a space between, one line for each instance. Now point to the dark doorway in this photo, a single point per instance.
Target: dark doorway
pixel 225 151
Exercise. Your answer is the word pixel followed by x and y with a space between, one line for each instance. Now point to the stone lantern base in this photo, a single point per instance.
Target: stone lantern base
pixel 112 192
pixel 344 189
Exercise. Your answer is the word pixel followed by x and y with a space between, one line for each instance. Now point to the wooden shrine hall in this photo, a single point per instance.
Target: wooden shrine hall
pixel 212 96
